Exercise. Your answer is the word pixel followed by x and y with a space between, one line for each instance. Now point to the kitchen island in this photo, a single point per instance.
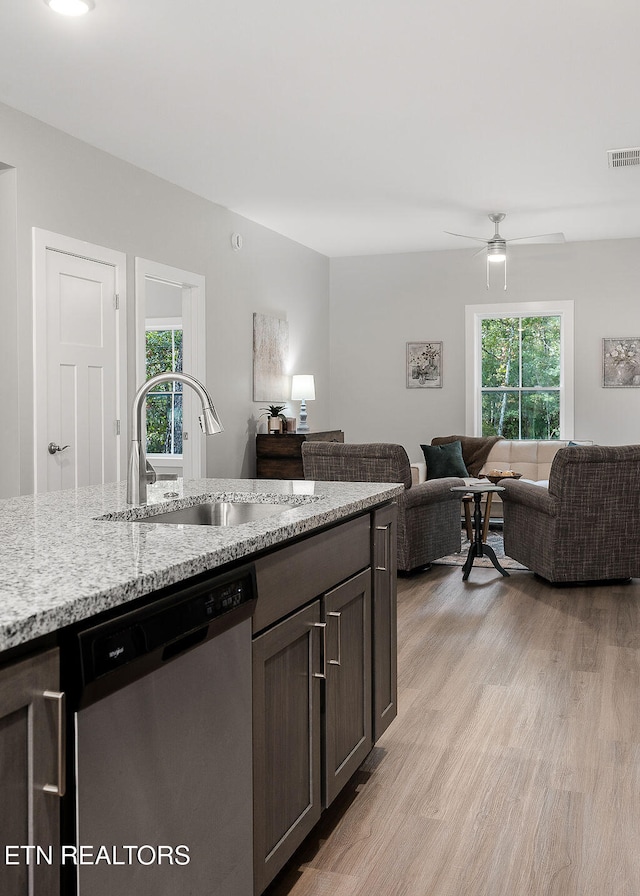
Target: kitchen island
pixel 69 555
pixel 323 560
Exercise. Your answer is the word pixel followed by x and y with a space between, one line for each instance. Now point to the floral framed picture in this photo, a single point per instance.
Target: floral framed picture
pixel 621 363
pixel 424 365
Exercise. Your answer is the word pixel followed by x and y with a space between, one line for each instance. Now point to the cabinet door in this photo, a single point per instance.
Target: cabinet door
pixel 29 762
pixel 348 740
pixel 286 739
pixel 385 639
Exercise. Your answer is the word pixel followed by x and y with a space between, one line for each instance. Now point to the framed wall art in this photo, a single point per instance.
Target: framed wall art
pixel 621 363
pixel 424 365
pixel 270 354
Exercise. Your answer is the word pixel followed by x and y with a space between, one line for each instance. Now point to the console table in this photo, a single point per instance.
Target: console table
pixel 279 455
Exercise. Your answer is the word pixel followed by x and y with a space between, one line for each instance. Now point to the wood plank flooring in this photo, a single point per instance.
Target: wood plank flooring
pixel 514 764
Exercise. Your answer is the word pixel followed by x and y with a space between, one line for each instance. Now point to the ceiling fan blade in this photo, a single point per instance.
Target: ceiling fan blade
pixel 465 237
pixel 539 238
pixel 479 252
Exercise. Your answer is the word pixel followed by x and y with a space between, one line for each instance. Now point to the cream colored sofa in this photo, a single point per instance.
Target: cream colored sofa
pixel 530 457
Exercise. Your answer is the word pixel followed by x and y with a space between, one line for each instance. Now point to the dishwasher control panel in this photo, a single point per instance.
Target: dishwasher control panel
pixel 179 619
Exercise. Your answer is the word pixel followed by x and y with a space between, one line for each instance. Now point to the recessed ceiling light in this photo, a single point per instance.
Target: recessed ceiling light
pixel 70 7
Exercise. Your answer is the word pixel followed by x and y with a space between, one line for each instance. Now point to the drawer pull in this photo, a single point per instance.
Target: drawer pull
pixel 385 562
pixel 337 662
pixel 60 788
pixel 323 626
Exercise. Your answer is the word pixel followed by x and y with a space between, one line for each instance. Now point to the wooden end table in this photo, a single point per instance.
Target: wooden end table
pixel 478 548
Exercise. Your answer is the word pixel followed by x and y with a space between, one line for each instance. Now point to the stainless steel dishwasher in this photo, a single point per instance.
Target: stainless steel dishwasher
pixel 163 770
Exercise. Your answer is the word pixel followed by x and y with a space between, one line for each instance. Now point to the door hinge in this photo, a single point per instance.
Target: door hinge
pixel 117 427
pixel 116 302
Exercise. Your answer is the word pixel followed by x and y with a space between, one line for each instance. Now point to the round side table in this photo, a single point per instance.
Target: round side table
pixel 478 548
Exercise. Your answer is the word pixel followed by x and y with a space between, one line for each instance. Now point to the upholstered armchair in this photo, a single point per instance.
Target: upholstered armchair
pixel 585 525
pixel 428 514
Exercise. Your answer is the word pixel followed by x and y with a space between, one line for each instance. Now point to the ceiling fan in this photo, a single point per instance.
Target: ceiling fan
pixel 496 247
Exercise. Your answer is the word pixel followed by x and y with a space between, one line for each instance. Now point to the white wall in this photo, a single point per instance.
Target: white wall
pixel 379 303
pixel 66 186
pixel 10 464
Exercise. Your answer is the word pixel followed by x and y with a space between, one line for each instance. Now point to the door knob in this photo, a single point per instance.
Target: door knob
pixel 52 448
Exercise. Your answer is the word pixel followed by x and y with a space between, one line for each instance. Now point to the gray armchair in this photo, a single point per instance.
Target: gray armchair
pixel 428 514
pixel 585 526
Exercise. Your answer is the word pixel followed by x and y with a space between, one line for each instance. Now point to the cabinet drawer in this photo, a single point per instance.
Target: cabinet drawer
pixel 291 577
pixel 278 445
pixel 279 468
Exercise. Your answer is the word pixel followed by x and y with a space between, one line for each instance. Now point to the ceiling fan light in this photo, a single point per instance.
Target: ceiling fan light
pixel 496 253
pixel 70 7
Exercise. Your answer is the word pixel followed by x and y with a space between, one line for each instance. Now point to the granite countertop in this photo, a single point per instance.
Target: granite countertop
pixel 68 555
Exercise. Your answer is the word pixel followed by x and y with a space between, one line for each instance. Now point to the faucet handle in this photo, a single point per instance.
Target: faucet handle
pixel 152 476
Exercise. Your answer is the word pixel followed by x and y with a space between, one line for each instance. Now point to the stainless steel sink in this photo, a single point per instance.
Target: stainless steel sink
pixel 217 513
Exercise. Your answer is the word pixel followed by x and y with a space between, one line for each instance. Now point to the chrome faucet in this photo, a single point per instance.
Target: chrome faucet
pixel 209 423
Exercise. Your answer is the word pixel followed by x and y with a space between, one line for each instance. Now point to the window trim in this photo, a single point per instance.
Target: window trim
pixel 474 314
pixel 194 349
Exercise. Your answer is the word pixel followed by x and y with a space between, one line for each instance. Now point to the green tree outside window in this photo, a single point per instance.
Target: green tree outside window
pixel 521 377
pixel 164 403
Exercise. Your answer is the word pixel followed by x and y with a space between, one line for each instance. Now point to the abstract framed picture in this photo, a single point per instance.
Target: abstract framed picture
pixel 270 355
pixel 621 362
pixel 424 365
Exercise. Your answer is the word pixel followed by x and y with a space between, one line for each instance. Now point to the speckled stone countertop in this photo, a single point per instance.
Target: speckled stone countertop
pixel 60 562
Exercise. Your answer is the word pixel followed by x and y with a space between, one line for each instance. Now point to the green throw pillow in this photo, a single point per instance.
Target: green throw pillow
pixel 444 460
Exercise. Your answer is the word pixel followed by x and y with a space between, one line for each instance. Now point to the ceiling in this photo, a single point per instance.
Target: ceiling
pixel 353 126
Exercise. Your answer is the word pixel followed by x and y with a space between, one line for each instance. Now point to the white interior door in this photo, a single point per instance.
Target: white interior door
pixel 79 370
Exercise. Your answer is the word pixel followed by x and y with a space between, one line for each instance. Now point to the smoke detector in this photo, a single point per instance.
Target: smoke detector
pixel 623 158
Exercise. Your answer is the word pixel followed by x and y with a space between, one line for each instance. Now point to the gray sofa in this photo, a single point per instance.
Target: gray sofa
pixel 585 525
pixel 428 514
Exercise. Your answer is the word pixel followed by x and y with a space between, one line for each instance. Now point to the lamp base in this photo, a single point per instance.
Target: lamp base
pixel 303 425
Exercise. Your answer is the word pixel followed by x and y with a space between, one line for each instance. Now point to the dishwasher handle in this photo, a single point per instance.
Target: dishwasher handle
pixel 185 643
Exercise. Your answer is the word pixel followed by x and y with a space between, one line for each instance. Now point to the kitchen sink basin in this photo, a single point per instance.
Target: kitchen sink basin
pixel 217 513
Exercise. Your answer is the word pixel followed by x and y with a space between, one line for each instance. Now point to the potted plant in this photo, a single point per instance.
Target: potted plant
pixel 276 419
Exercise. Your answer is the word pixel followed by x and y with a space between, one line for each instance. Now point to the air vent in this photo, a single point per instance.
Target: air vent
pixel 623 158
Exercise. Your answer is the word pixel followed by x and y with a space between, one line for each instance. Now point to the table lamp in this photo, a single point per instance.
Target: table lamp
pixel 303 390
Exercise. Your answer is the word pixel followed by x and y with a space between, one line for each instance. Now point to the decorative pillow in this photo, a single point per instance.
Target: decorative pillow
pixel 444 460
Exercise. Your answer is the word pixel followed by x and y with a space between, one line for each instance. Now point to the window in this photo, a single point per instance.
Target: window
pixel 164 403
pixel 522 358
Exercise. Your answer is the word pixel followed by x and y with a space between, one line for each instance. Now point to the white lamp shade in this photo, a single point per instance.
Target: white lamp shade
pixel 302 387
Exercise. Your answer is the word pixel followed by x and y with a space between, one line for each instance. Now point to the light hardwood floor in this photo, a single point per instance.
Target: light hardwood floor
pixel 513 768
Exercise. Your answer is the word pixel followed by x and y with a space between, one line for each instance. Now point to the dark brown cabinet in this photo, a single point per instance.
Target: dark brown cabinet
pixel 286 739
pixel 303 756
pixel 279 456
pixel 30 774
pixel 347 733
pixel 324 676
pixel 385 627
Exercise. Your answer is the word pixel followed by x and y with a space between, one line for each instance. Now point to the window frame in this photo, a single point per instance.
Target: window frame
pixel 475 314
pixel 193 291
pixel 163 324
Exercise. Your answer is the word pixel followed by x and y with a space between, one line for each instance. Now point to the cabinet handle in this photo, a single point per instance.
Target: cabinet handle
pixel 323 626
pixel 60 788
pixel 385 564
pixel 337 662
